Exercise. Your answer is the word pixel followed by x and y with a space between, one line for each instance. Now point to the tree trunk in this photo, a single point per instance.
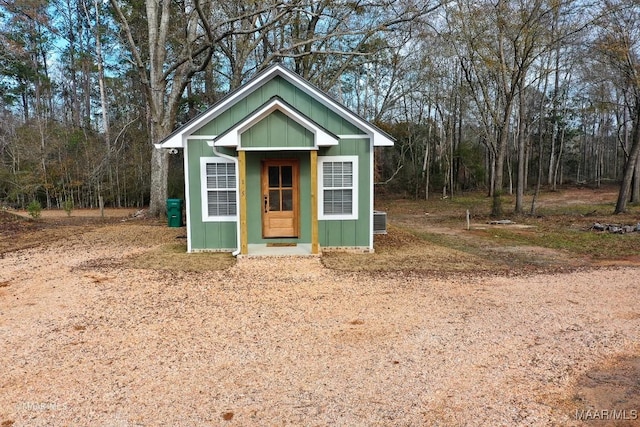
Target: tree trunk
pixel 104 105
pixel 558 161
pixel 159 175
pixel 630 164
pixel 503 134
pixel 635 190
pixel 426 162
pixel 539 179
pixel 521 153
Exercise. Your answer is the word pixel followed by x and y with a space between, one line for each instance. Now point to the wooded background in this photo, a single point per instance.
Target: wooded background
pixel 500 95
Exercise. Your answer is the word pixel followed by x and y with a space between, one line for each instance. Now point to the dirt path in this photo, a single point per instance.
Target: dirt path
pixel 89 341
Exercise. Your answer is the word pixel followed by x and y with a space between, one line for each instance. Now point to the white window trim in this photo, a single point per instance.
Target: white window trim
pixel 354 193
pixel 204 191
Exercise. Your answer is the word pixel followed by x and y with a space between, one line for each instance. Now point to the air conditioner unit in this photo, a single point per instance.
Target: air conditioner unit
pixel 379 222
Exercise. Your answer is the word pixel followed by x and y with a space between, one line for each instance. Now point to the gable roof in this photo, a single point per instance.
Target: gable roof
pixel 231 137
pixel 179 136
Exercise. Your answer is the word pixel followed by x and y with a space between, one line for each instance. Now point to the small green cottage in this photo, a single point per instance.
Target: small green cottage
pixel 278 165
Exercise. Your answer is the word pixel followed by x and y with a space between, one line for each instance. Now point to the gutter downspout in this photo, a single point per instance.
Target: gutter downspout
pixel 235 161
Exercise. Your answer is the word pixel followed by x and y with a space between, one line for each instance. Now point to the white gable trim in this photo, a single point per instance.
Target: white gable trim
pixel 378 137
pixel 232 138
pixel 355 136
pixel 178 138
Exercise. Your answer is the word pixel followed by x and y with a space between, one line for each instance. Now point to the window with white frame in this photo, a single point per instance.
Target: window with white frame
pixel 219 191
pixel 338 192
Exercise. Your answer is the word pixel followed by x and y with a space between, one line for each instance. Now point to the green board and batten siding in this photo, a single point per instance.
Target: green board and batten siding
pixel 279 131
pixel 300 100
pixel 351 233
pixel 205 235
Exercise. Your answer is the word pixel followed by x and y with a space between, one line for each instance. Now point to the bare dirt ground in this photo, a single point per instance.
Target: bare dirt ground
pixel 90 336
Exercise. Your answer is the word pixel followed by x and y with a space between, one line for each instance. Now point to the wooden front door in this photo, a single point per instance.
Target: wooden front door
pixel 280 198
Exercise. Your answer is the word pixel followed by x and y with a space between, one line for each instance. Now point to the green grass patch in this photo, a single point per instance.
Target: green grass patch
pixel 597 245
pixel 403 249
pixel 557 235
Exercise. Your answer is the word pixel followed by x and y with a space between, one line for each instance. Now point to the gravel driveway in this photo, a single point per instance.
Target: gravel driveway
pixel 88 341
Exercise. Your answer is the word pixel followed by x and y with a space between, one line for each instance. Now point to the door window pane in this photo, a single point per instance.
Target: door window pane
pixel 274 176
pixel 287 200
pixel 274 200
pixel 287 176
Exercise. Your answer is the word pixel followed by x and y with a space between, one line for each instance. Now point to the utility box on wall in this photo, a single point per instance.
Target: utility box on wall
pixel 379 222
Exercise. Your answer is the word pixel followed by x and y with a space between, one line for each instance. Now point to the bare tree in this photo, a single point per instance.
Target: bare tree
pixel 181 38
pixel 496 49
pixel 619 45
pixel 497 44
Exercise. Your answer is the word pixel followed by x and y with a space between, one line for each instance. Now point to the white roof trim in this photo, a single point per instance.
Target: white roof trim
pixel 382 141
pixel 232 137
pixel 177 139
pixel 378 137
pixel 173 143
